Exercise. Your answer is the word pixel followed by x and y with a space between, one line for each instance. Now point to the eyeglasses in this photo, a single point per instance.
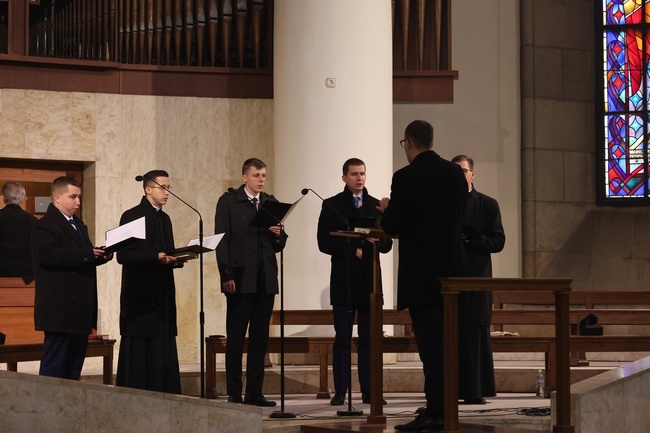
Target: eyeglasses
pixel 401 142
pixel 164 188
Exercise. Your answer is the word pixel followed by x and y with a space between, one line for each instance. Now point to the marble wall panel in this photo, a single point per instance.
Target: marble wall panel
pixel 15 106
pixel 202 143
pixel 18 404
pixel 61 407
pixel 109 136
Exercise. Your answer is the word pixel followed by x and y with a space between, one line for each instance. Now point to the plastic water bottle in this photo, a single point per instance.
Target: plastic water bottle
pixel 539 384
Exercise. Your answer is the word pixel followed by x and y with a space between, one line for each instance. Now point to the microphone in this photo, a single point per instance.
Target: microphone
pixel 305 191
pixel 139 178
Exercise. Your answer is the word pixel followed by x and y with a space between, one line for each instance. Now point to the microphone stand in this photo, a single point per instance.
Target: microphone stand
pixel 201 313
pixel 280 413
pixel 350 411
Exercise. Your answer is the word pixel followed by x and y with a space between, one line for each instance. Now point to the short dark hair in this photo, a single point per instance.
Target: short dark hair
pixel 461 158
pixel 13 193
pixel 349 162
pixel 61 183
pixel 420 134
pixel 149 177
pixel 252 162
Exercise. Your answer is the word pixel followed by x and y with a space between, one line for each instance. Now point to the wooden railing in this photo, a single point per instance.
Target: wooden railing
pixel 235 36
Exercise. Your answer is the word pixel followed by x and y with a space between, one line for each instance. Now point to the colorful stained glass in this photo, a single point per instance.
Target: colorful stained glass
pixel 626 54
pixel 623 12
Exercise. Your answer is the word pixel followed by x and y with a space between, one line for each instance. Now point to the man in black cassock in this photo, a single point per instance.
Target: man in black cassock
pixel 482 235
pixel 148 357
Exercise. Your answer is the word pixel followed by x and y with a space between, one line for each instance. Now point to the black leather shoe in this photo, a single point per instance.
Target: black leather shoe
pixel 235 399
pixel 420 409
pixel 258 400
pixel 474 401
pixel 421 423
pixel 337 400
pixel 365 397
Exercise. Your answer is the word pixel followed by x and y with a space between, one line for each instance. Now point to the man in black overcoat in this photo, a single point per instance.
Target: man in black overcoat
pixel 65 302
pixel 425 209
pixel 148 357
pixel 483 234
pixel 15 234
pixel 352 269
pixel 249 279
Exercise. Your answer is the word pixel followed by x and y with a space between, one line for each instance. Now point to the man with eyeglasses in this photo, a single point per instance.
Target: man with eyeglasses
pixel 482 235
pixel 148 357
pixel 425 209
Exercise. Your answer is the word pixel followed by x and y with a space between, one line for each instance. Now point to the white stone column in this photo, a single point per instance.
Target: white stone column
pixel 333 101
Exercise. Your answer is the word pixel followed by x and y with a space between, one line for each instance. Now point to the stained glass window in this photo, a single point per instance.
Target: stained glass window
pixel 626 103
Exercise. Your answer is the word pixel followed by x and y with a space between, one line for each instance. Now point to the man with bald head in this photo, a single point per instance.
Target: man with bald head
pixel 65 261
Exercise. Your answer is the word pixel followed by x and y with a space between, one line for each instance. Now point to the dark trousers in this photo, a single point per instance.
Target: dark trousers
pixel 340 351
pixel 243 310
pixel 427 326
pixel 63 355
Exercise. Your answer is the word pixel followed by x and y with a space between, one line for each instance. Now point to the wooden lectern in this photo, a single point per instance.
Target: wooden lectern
pixel 376 327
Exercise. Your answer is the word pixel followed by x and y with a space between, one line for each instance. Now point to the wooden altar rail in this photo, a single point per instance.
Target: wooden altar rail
pixel 451 288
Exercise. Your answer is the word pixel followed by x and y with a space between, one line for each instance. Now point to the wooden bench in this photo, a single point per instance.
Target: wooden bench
pixel 23 343
pixel 12 354
pixel 322 346
pixel 587 299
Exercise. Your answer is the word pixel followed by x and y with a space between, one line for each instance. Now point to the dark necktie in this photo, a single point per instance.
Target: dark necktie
pixel 254 201
pixel 77 227
pixel 357 202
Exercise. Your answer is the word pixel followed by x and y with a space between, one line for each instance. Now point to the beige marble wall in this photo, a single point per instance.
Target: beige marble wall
pixel 35 404
pixel 201 142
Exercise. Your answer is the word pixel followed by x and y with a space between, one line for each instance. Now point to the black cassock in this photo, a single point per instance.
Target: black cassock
pixel 476 378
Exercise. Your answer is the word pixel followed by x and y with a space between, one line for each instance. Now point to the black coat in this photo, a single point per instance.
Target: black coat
pixel 148 298
pixel 360 270
pixel 425 210
pixel 482 213
pixel 15 242
pixel 66 276
pixel 243 249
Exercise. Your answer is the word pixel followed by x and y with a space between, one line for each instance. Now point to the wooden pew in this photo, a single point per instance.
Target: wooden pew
pixel 12 354
pixel 17 311
pixel 23 343
pixel 322 346
pixel 587 299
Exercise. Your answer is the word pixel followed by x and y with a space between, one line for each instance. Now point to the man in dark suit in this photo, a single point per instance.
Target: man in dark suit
pixel 352 270
pixel 425 209
pixel 65 261
pixel 482 235
pixel 148 356
pixel 15 234
pixel 249 279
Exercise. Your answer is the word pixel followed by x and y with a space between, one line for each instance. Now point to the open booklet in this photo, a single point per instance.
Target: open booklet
pixel 125 235
pixel 193 249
